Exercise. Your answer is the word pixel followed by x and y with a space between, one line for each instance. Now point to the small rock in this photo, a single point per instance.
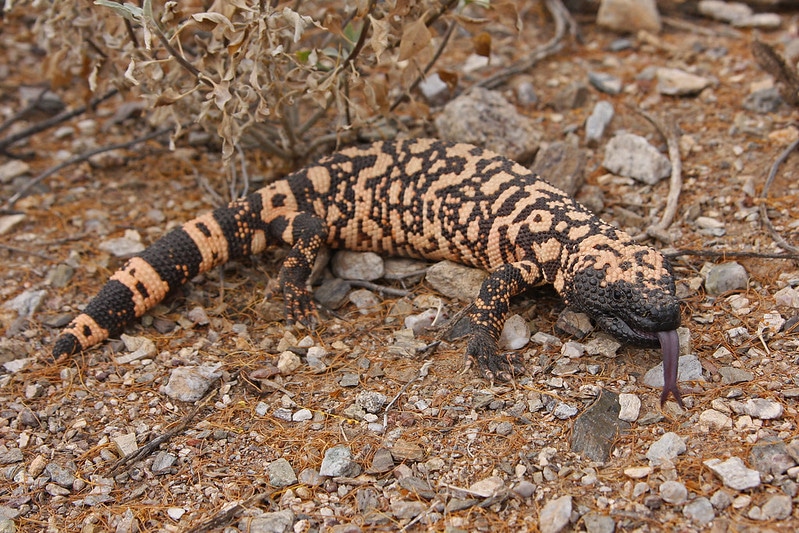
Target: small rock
pixel 504 428
pixel 578 325
pixel 710 226
pixel 332 293
pixel 720 500
pixel 190 383
pixel 302 415
pixel 382 461
pixel 561 164
pixel 731 375
pixel 26 303
pixel 724 11
pixel 126 443
pixel 404 510
pixel 673 492
pixel 572 350
pixel 456 281
pixel 632 156
pixel 726 277
pixel 598 523
pixel 596 123
pixel 638 472
pixel 277 522
pixel 423 321
pixel 486 118
pixel 365 300
pixel 350 379
pixel 737 336
pixel 61 476
pixel 281 474
pixel 676 82
pixel 763 101
pixel 788 297
pixel 434 89
pixel 771 458
pixel 733 473
pixel 555 515
pixel 607 83
pixel 564 411
pixel 126 246
pixel 665 449
pixel 603 345
pixel 288 362
pixel 715 420
pixel 338 462
pixel 689 369
pixel 777 507
pixel 372 402
pixel 485 488
pixel 545 339
pixel 764 21
pixel 524 488
pixel 515 333
pixel 198 316
pixel 138 348
pixel 13 169
pixel 598 427
pixel 7 222
pixel 363 266
pixel 407 451
pixel 630 407
pixel 700 511
pixel 163 462
pixel 574 96
pixel 629 16
pixel 175 513
pixel 763 409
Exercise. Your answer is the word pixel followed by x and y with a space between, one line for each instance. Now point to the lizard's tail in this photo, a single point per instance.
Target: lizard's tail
pixel 196 247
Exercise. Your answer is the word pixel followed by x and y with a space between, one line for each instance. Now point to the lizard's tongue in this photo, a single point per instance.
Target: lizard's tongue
pixel 670 346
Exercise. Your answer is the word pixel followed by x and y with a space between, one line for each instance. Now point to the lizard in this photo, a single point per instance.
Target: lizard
pixel 420 198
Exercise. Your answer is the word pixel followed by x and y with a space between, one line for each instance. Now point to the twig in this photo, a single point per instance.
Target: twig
pixel 390 291
pixel 722 255
pixel 563 21
pixel 148 448
pixel 669 132
pixel 422 373
pixel 53 121
pixel 229 513
pixel 34 253
pixel 78 159
pixel 764 195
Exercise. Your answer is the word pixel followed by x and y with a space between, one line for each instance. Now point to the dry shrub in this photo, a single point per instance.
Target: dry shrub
pixel 290 77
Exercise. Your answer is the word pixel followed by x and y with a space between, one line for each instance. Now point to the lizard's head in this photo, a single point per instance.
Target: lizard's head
pixel 627 288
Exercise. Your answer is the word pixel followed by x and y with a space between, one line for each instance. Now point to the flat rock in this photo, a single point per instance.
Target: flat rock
pixel 555 515
pixel 629 16
pixel 561 164
pixel 456 281
pixel 596 429
pixel 667 448
pixel 632 156
pixel 733 473
pixel 676 82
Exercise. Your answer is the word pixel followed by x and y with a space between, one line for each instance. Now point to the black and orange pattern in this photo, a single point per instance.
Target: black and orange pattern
pixel 417 198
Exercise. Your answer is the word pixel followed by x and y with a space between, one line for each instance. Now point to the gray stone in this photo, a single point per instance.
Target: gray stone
pixel 162 464
pixel 574 96
pixel 724 11
pixel 524 488
pixel 607 83
pixel 190 383
pixel 700 511
pixel 629 16
pixel 365 300
pixel 578 325
pixel 597 122
pixel 564 411
pixel 363 266
pixel 630 407
pixel 561 164
pixel 487 487
pixel 673 492
pixel 765 21
pixel 726 277
pixel 632 156
pixel 26 303
pixel 595 522
pixel 764 101
pixel 597 428
pixel 689 369
pixel 676 82
pixel 515 333
pixel 771 457
pixel 310 477
pixel 777 507
pixel 554 517
pixel 720 500
pixel 372 402
pixel 60 475
pixel 456 281
pixel 485 118
pixel 382 461
pixel 404 510
pixel 404 450
pixel 731 375
pixel 126 246
pixel 733 473
pixel 665 449
pixel 277 522
pixel 281 474
pixel 338 462
pixel 332 293
pixel 763 409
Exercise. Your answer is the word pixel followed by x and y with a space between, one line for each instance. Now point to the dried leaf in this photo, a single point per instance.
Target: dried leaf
pixel 450 78
pixel 482 44
pixel 379 39
pixel 129 11
pixel 300 22
pixel 415 38
pixel 211 21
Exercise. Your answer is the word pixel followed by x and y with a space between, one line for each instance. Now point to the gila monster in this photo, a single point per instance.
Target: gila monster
pixel 417 198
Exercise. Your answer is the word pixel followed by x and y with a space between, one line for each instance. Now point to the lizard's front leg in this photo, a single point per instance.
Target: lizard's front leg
pixel 489 315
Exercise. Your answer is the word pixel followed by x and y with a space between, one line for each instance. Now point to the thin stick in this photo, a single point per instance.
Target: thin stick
pixel 715 254
pixel 25 252
pixel 389 291
pixel 669 132
pixel 782 243
pixel 78 159
pixel 54 121
pixel 148 448
pixel 562 21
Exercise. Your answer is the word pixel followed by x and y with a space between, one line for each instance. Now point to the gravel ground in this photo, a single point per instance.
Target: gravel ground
pixel 228 421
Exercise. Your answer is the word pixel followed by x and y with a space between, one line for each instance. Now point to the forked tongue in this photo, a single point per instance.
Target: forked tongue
pixel 670 346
